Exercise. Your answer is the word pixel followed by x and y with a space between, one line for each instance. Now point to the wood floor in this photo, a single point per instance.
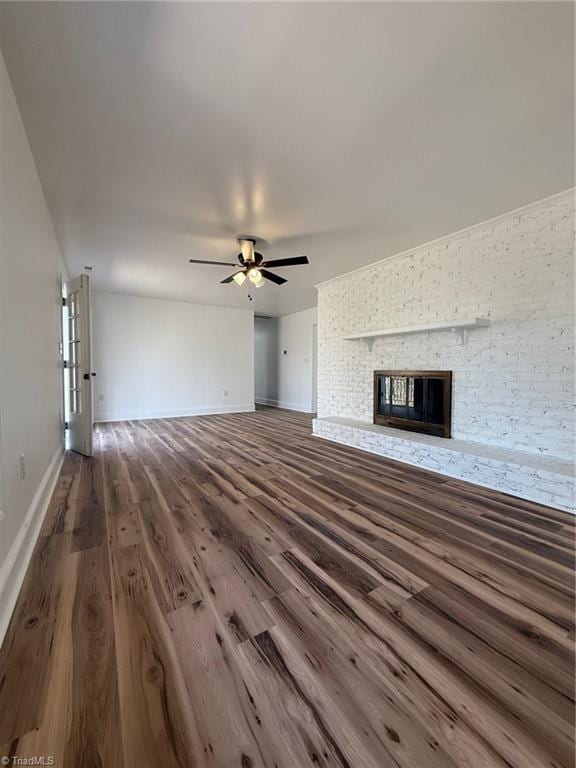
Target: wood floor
pixel 230 591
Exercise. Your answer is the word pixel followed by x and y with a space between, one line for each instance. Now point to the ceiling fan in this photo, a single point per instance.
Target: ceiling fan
pixel 253 265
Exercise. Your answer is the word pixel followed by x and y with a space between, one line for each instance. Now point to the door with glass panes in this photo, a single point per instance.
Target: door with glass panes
pixel 78 363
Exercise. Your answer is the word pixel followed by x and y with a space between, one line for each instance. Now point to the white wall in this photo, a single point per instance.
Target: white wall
pixel 266 360
pixel 157 358
pixel 30 363
pixel 284 360
pixel 513 383
pixel 295 360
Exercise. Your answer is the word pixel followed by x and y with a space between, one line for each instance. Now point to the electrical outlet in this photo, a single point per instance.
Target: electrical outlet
pixel 22 466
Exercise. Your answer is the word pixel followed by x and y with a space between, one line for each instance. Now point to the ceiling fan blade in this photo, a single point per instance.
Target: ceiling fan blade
pixel 218 263
pixel 272 277
pixel 286 262
pixel 231 277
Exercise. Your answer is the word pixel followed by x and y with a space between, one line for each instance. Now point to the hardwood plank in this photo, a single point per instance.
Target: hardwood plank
pixel 62 507
pixel 28 647
pixel 122 520
pixel 179 494
pixel 90 519
pixel 229 721
pixel 169 565
pixel 158 725
pixel 289 715
pixel 80 720
pixel 94 736
pixel 238 607
pixel 245 553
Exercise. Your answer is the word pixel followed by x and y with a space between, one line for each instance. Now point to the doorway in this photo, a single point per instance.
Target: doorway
pixel 314 368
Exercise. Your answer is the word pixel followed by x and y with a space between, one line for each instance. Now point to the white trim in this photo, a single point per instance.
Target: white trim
pixel 172 413
pixel 15 565
pixel 283 404
pixel 451 235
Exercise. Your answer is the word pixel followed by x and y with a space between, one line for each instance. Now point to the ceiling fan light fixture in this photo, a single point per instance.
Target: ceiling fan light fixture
pixel 255 275
pixel 260 283
pixel 239 278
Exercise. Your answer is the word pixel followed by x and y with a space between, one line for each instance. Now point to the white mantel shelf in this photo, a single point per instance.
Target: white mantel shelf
pixel 461 327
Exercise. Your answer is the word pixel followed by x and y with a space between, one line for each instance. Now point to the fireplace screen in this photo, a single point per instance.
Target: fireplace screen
pixel 416 400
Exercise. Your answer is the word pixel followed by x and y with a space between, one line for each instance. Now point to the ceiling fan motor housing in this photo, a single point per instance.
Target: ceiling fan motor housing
pixel 248 255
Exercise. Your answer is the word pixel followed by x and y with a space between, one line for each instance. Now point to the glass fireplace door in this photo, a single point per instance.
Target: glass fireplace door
pixel 414 400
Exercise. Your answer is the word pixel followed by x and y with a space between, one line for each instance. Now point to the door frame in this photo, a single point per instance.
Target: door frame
pixel 314 402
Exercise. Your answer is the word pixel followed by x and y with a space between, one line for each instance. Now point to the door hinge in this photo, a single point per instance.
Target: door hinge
pixel 65 363
pixel 66 425
pixel 64 303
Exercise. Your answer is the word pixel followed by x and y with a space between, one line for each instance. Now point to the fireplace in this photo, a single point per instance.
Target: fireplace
pixel 420 401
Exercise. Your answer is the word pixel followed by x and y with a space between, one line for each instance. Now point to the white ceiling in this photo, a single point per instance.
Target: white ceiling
pixel 343 131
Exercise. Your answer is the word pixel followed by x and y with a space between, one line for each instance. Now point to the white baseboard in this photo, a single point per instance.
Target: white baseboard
pixel 172 413
pixel 303 407
pixel 13 569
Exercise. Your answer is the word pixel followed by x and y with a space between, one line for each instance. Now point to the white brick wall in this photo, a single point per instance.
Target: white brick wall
pixel 513 382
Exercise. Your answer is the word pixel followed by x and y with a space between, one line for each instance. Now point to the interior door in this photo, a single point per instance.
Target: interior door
pixel 78 364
